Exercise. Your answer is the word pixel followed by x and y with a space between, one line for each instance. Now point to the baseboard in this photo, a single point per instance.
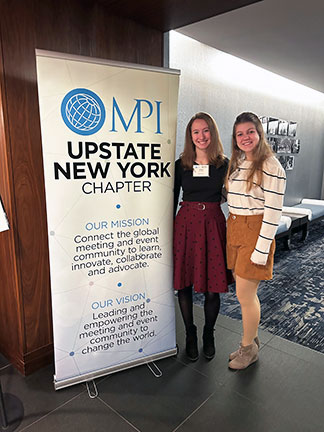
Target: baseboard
pixel 33 360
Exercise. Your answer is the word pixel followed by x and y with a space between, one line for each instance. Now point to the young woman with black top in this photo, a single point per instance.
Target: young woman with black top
pixel 199 229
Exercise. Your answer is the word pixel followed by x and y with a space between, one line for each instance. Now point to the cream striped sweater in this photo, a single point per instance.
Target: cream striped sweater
pixel 266 199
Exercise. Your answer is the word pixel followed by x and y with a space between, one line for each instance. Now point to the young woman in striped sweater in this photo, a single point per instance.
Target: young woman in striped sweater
pixel 255 183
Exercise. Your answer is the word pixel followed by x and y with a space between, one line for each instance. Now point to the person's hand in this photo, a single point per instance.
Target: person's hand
pixel 258 265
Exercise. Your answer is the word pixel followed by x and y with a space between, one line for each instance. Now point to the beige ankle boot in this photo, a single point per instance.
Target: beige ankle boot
pixel 246 356
pixel 235 353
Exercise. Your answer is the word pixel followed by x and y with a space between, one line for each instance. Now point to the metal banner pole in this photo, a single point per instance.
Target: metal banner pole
pixel 4 420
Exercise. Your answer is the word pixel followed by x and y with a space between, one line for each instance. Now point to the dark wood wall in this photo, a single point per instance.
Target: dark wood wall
pixel 71 26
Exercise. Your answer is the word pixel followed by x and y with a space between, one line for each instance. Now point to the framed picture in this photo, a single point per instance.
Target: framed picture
pixel 278 142
pixel 264 121
pixel 284 145
pixel 273 124
pixel 287 162
pixel 283 127
pixel 290 162
pixel 292 128
pixel 282 160
pixel 273 144
pixel 295 146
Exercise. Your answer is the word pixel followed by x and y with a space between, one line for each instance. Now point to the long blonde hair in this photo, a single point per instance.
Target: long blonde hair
pixel 215 150
pixel 260 153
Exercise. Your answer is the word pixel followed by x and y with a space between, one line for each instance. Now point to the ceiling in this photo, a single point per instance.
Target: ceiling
pixel 165 15
pixel 283 36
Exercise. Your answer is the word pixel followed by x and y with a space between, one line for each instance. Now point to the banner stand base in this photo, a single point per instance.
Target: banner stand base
pixel 156 371
pixel 123 366
pixel 92 394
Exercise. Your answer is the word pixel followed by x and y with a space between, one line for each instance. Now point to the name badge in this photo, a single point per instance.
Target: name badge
pixel 200 171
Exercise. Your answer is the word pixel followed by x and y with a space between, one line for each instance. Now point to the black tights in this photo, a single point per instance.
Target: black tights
pixel 211 307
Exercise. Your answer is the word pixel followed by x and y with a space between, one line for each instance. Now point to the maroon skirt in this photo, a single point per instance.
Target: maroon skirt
pixel 199 248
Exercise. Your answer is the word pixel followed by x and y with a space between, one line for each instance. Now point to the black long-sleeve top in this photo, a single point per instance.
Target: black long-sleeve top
pixel 200 189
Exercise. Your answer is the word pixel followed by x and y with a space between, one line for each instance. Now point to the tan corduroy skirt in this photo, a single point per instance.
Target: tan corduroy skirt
pixel 242 235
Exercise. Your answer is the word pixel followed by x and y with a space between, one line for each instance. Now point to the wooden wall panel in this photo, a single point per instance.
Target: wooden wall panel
pixel 123 36
pixel 18 39
pixel 96 33
pixel 10 301
pixel 70 26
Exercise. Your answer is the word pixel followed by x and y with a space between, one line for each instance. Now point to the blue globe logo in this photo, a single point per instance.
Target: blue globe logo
pixel 83 111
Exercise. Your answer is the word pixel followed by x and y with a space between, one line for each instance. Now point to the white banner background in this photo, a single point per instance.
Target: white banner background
pixel 110 238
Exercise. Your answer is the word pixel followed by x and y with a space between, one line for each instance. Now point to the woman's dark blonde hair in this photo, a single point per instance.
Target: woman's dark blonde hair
pixel 215 150
pixel 261 152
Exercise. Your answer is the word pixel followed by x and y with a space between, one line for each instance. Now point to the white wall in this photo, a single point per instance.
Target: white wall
pixel 224 86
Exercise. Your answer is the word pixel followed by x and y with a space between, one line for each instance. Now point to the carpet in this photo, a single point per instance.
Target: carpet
pixel 292 303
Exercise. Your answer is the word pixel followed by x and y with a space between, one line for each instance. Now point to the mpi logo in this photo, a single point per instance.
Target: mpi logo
pixel 83 111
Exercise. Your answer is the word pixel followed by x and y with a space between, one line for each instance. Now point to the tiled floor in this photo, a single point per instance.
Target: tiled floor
pixel 283 392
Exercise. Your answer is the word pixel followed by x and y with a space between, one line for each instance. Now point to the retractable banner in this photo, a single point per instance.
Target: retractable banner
pixel 108 134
